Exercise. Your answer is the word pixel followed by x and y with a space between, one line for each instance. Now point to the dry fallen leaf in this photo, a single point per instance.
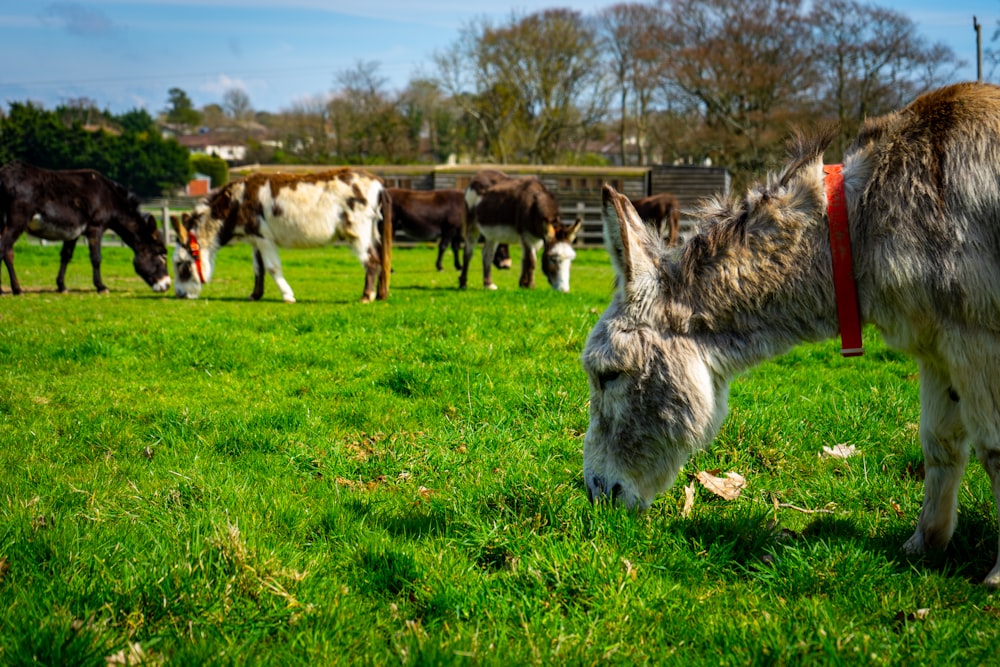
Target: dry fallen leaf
pixel 841 451
pixel 728 487
pixel 896 508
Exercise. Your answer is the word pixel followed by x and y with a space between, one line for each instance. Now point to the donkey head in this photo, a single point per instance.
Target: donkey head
pixel 150 260
pixel 659 360
pixel 193 256
pixel 653 397
pixel 558 254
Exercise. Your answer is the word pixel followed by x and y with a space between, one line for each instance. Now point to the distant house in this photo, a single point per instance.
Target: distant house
pixel 222 145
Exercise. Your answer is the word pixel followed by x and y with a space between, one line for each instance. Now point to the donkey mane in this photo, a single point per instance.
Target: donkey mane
pixel 749 248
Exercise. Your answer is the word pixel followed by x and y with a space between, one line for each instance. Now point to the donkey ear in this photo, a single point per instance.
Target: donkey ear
pixel 574 229
pixel 179 229
pixel 633 255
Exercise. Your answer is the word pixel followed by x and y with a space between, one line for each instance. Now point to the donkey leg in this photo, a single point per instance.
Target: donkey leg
pixel 272 264
pixel 94 242
pixel 528 261
pixel 65 255
pixel 258 276
pixel 471 238
pixel 489 249
pixel 373 269
pixel 981 416
pixel 990 458
pixel 502 259
pixel 16 222
pixel 976 358
pixel 456 250
pixel 946 453
pixel 442 248
pixel 443 243
pixel 8 260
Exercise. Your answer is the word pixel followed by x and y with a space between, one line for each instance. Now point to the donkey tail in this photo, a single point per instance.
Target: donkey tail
pixel 385 245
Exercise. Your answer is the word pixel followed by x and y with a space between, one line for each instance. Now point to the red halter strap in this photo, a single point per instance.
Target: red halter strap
pixel 196 255
pixel 844 286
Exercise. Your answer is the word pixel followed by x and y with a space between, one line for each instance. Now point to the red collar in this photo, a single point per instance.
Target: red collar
pixel 844 286
pixel 196 255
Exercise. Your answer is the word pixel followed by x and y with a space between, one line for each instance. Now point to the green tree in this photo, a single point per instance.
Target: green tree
pixel 136 156
pixel 137 121
pixel 180 110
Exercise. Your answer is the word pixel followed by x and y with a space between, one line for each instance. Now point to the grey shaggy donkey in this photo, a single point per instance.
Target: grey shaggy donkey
pixel 923 200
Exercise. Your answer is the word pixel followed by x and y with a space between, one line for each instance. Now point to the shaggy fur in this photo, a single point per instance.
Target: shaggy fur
pixel 289 211
pixel 923 197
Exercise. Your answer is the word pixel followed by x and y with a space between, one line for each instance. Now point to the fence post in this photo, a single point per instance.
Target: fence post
pixel 166 225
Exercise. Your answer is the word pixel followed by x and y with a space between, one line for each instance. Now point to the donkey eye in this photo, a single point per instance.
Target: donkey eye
pixel 608 376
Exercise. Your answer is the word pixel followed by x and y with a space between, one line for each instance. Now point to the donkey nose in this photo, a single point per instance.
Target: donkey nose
pixel 595 489
pixel 598 490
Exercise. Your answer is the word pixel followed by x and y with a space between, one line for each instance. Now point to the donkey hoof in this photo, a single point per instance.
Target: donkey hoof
pixel 992 580
pixel 490 286
pixel 915 545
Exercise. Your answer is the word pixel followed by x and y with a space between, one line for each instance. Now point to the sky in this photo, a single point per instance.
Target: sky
pixel 126 55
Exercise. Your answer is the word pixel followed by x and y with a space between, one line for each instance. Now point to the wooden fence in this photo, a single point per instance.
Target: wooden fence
pixel 578 189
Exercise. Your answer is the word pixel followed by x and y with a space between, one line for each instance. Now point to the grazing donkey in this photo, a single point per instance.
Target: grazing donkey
pixel 63 205
pixel 520 210
pixel 291 211
pixel 922 189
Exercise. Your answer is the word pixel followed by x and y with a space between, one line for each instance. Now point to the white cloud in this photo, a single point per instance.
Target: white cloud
pixel 220 84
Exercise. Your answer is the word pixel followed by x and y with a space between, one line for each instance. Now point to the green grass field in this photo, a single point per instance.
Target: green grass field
pixel 222 482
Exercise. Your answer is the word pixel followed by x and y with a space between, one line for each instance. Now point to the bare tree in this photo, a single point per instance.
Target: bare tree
pixel 303 131
pixel 746 65
pixel 872 61
pixel 492 105
pixel 631 34
pixel 366 118
pixel 533 84
pixel 236 102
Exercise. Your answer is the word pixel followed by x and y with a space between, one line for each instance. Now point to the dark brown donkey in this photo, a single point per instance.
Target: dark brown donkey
pixel 65 205
pixel 663 212
pixel 431 215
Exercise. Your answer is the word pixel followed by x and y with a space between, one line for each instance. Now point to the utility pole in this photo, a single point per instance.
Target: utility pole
pixel 979 49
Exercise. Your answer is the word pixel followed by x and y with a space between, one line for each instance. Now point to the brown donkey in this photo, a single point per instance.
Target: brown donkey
pixel 922 190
